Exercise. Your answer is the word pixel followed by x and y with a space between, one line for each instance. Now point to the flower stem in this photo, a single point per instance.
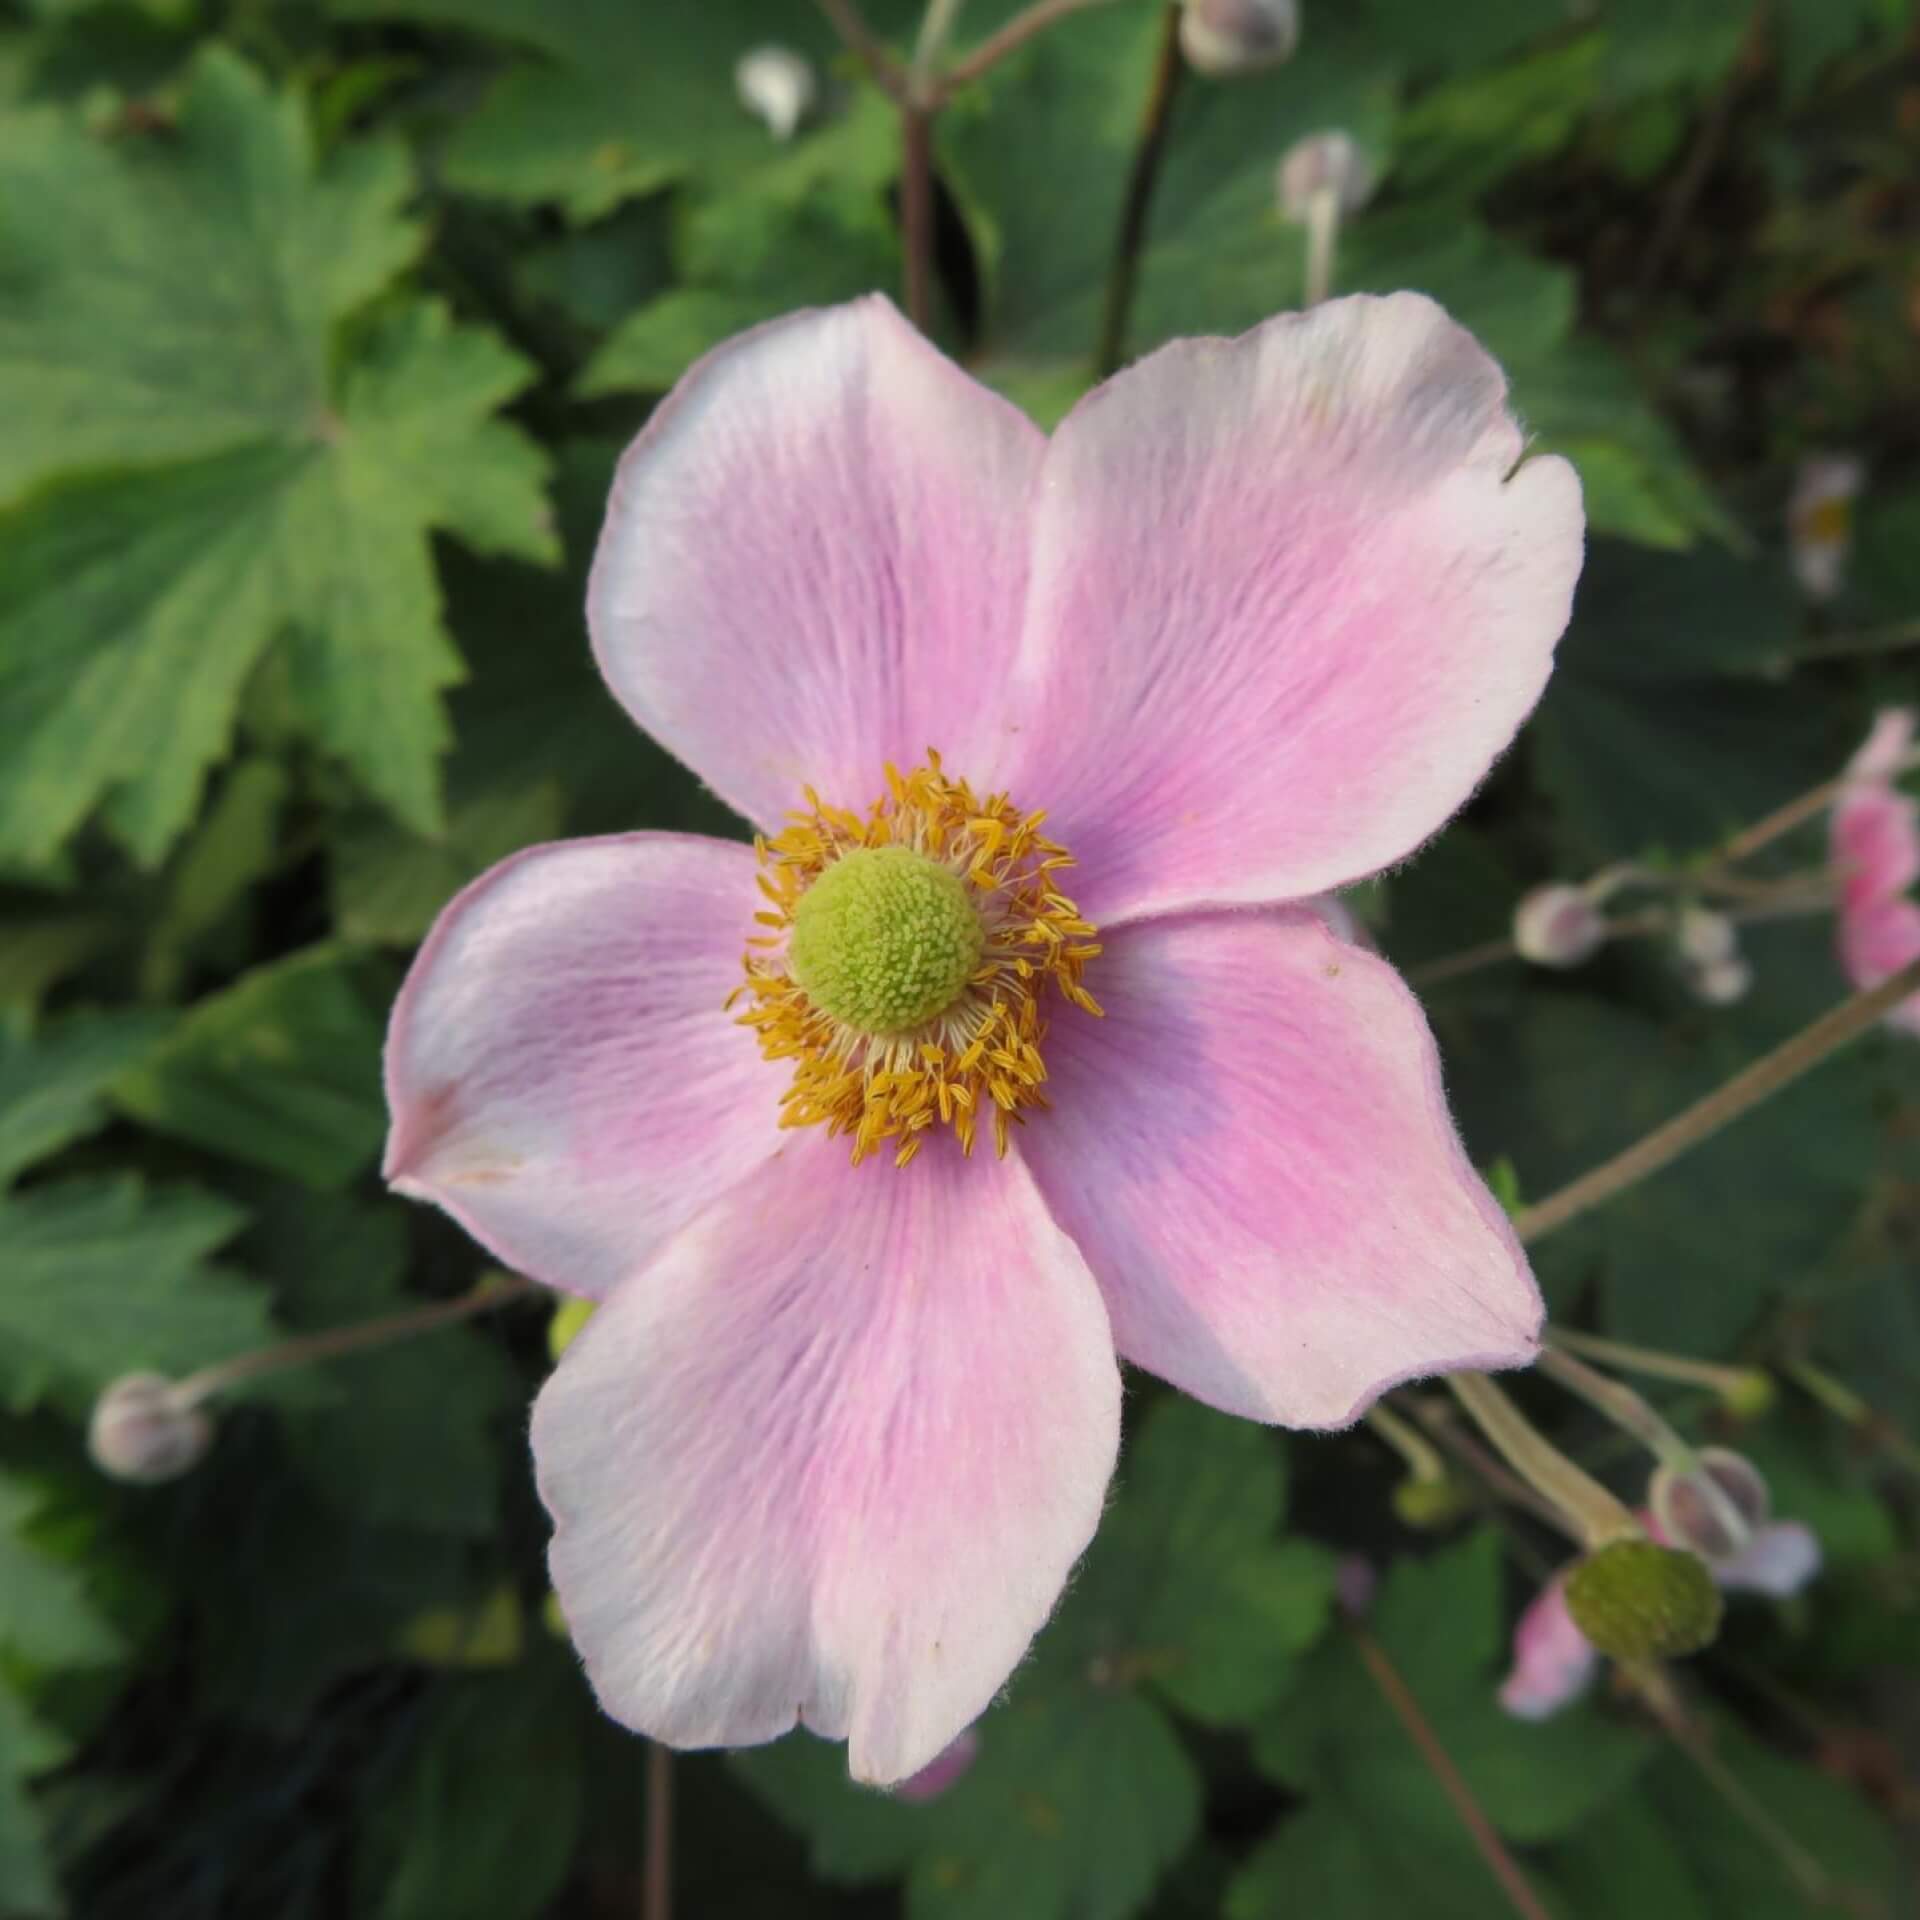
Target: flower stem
pixel 1016 33
pixel 936 29
pixel 1148 152
pixel 1729 1382
pixel 916 210
pixel 1323 236
pixel 859 38
pixel 1840 1400
pixel 1439 1420
pixel 1414 1448
pixel 1406 1709
pixel 1597 1516
pixel 308 1348
pixel 1620 1404
pixel 1747 1089
pixel 657 1895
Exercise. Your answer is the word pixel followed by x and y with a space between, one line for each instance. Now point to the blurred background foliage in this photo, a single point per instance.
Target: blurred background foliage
pixel 321 323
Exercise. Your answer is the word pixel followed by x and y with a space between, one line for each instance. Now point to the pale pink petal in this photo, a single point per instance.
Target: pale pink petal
pixel 814 560
pixel 1289 602
pixel 1876 844
pixel 1553 1661
pixel 941 1772
pixel 1253 1151
pixel 1884 752
pixel 562 1072
pixel 831 1457
pixel 1876 941
pixel 1779 1560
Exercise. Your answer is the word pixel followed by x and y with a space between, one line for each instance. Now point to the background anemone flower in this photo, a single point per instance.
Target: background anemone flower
pixel 1875 848
pixel 1249 627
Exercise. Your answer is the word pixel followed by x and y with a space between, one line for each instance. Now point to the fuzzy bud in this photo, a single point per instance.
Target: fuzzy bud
pixel 1637 1601
pixel 776 85
pixel 1428 1505
pixel 140 1433
pixel 1723 983
pixel 1706 938
pixel 1820 521
pixel 1714 1511
pixel 1222 37
pixel 1323 163
pixel 1750 1394
pixel 1557 926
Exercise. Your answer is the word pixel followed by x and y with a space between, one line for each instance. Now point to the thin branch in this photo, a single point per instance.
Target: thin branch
pixel 1435 1416
pixel 1016 33
pixel 1767 1076
pixel 1729 1382
pixel 656 1901
pixel 1492 1849
pixel 1599 1517
pixel 888 74
pixel 916 211
pixel 1150 146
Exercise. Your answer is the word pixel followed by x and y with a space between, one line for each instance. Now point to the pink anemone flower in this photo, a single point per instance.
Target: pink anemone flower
pixel 1875 846
pixel 986 1113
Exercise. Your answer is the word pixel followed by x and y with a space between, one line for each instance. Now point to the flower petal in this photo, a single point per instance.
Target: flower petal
pixel 1779 1560
pixel 1876 844
pixel 1253 1152
pixel 814 559
pixel 1876 941
pixel 1889 741
pixel 563 1075
pixel 1286 608
pixel 831 1458
pixel 1553 1661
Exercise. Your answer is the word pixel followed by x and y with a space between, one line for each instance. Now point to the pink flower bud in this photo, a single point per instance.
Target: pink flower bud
pixel 1714 1511
pixel 139 1432
pixel 1238 36
pixel 1553 1661
pixel 1557 926
pixel 776 85
pixel 1329 163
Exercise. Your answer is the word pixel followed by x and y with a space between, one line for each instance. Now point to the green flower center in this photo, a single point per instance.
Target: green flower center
pixel 885 939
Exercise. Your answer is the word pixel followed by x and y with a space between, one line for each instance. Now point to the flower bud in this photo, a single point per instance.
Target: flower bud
pixel 1721 984
pixel 1638 1601
pixel 140 1433
pixel 1238 36
pixel 776 85
pixel 1716 1510
pixel 1706 938
pixel 1750 1394
pixel 1429 1505
pixel 1329 163
pixel 1820 521
pixel 1557 926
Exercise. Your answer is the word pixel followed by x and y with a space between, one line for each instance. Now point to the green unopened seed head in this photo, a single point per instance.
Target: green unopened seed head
pixel 1749 1394
pixel 1430 1504
pixel 1637 1601
pixel 885 939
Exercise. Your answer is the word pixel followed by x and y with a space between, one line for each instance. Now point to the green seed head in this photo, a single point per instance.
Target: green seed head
pixel 1430 1504
pixel 1636 1601
pixel 885 939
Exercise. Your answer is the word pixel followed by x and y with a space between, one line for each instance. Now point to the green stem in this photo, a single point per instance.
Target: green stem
pixel 1626 1409
pixel 1598 1517
pixel 1422 1458
pixel 1149 149
pixel 1731 1383
pixel 1840 1399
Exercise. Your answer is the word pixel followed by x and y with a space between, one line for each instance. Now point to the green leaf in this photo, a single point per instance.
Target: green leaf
pixel 1189 1584
pixel 53 1083
pixel 280 1070
pixel 27 1887
pixel 405 1434
pixel 135 602
pixel 103 1277
pixel 484 1816
pixel 46 1619
pixel 1078 1801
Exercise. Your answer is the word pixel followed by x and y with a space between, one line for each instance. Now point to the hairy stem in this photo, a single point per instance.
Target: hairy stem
pixel 1619 1403
pixel 1413 1447
pixel 1746 1090
pixel 1731 1382
pixel 1595 1513
pixel 1148 152
pixel 1442 1422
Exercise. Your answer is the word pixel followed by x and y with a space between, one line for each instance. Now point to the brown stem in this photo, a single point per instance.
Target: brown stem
pixel 888 74
pixel 1766 1077
pixel 657 1893
pixel 1016 33
pixel 916 210
pixel 1434 1416
pixel 1492 1849
pixel 1150 148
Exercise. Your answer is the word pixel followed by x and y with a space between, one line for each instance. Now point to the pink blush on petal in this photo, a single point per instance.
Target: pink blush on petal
pixel 1553 1661
pixel 942 1772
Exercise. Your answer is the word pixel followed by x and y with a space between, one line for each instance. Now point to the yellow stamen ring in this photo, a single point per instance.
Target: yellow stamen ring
pixel 906 960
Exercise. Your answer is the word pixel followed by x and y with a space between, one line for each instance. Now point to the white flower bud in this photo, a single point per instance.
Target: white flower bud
pixel 1706 938
pixel 1820 521
pixel 1721 984
pixel 1557 926
pixel 776 85
pixel 1238 36
pixel 139 1432
pixel 1329 163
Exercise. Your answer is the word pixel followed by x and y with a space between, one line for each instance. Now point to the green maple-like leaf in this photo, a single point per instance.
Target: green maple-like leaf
pixel 177 311
pixel 46 1620
pixel 52 1083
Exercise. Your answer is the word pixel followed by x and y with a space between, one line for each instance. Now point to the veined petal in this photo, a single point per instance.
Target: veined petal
pixel 1253 1152
pixel 562 1072
pixel 1553 1661
pixel 1289 601
pixel 831 1457
pixel 814 560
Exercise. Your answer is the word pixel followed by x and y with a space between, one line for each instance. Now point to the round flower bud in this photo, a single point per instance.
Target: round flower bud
pixel 1637 1601
pixel 1706 938
pixel 776 85
pixel 1238 36
pixel 1429 1505
pixel 1557 926
pixel 1330 163
pixel 1750 1394
pixel 1714 1511
pixel 1721 984
pixel 139 1433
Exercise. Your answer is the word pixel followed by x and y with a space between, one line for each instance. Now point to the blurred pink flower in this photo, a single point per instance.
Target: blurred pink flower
pixel 1875 848
pixel 1249 627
